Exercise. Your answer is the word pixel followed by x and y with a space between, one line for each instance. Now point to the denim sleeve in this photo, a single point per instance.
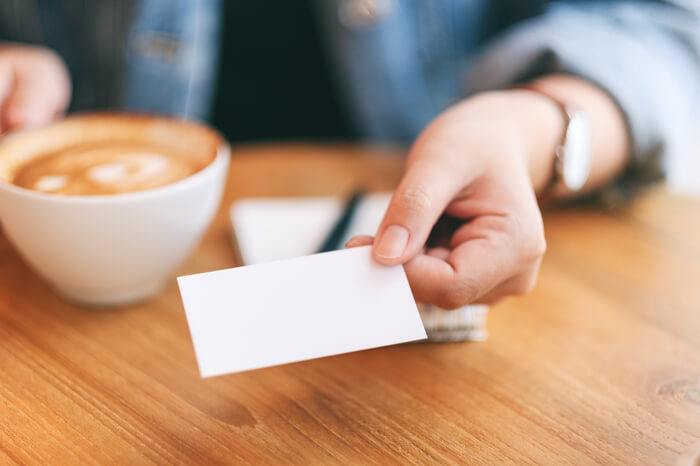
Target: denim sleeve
pixel 171 57
pixel 645 55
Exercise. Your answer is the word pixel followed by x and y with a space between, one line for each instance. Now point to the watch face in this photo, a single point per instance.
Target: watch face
pixel 576 165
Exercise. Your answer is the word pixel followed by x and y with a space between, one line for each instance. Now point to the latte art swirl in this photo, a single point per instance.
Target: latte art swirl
pixel 116 168
pixel 106 154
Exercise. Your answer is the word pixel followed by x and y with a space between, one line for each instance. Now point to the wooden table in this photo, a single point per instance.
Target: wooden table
pixel 601 363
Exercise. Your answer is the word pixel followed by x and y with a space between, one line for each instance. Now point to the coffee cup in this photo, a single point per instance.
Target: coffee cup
pixel 106 206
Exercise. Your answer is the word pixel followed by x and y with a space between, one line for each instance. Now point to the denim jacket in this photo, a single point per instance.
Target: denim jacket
pixel 400 62
pixel 151 55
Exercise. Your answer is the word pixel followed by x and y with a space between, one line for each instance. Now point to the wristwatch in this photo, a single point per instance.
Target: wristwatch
pixel 572 161
pixel 572 164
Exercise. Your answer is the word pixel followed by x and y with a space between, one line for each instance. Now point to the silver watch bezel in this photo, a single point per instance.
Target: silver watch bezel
pixel 573 155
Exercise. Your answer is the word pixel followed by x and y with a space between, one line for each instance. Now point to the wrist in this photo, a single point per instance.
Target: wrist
pixel 596 142
pixel 527 127
pixel 538 123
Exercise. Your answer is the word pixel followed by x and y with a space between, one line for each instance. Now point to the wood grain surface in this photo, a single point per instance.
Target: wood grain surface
pixel 600 364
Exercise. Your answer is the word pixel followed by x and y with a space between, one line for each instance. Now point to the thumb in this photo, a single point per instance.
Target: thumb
pixel 428 186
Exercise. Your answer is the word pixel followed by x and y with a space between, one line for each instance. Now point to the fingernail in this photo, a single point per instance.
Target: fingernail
pixel 393 242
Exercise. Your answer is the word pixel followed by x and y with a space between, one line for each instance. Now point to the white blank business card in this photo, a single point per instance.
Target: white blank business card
pixel 297 309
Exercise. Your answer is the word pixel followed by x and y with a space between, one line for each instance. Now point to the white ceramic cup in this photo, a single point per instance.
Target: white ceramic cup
pixel 109 250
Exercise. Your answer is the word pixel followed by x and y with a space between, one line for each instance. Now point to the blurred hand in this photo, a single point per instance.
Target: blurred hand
pixel 472 164
pixel 34 86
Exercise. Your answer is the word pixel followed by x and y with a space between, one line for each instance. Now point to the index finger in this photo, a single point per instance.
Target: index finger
pixel 431 182
pixel 469 272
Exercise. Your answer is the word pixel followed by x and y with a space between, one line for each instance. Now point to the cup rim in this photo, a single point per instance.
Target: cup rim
pixel 222 155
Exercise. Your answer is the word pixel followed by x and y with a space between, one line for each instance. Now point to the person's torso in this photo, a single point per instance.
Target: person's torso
pixel 153 55
pixel 397 66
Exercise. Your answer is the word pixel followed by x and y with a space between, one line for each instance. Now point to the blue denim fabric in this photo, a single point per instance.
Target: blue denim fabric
pixel 400 67
pixel 150 55
pixel 411 61
pixel 406 63
pixel 171 57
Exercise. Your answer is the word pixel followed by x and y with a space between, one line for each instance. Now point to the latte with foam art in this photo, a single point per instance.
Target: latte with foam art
pixel 106 206
pixel 107 154
pixel 104 169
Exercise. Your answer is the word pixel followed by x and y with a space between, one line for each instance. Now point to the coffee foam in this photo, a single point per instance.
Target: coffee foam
pixel 112 169
pixel 103 154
